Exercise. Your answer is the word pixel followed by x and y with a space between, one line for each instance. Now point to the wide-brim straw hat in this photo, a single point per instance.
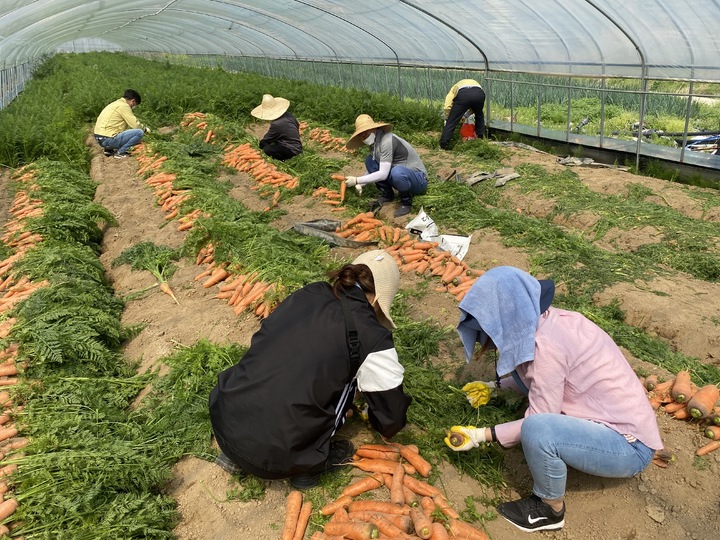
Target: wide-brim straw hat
pixel 387 281
pixel 363 123
pixel 271 108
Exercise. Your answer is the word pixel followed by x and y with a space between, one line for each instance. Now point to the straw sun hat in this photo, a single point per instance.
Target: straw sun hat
pixel 271 108
pixel 363 123
pixel 387 281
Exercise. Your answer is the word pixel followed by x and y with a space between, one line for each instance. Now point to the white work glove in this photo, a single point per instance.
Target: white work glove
pixel 464 438
pixel 350 181
pixel 358 188
pixel 147 129
pixel 478 392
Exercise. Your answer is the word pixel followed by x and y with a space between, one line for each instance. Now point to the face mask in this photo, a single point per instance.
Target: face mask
pixel 369 139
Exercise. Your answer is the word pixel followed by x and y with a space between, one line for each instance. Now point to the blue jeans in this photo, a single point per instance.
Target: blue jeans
pixel 552 442
pixel 406 181
pixel 122 142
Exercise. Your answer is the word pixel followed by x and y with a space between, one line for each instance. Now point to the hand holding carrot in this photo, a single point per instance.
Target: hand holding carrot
pixel 463 438
pixel 350 181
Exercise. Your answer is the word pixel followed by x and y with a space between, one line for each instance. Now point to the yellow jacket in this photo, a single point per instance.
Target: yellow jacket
pixel 453 92
pixel 116 117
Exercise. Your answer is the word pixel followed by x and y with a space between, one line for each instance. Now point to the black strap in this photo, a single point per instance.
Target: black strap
pixel 353 341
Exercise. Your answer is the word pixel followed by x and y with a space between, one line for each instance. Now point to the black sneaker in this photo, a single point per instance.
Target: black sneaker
pixel 340 452
pixel 532 514
pixel 226 465
pixel 402 211
pixel 122 156
pixel 109 153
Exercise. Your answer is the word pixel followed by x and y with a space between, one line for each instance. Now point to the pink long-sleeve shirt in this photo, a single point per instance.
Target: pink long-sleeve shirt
pixel 578 370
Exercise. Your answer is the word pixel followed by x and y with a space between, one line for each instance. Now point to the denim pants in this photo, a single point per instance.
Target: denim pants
pixel 406 181
pixel 552 442
pixel 123 141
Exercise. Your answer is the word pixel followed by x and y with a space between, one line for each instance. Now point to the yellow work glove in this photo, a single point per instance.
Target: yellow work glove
pixel 478 392
pixel 463 438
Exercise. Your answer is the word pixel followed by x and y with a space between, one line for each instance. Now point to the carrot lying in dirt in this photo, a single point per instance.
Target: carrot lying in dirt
pixel 377 506
pixel 292 513
pixel 651 382
pixel 396 485
pixel 702 403
pixel 682 387
pixel 420 487
pixel 303 519
pixel 712 432
pixel 709 447
pixel 352 530
pixel 368 483
pixel 7 508
pixel 377 465
pixel 442 503
pixel 422 466
pixel 341 502
pixel 422 523
pixel 439 532
pixel 460 530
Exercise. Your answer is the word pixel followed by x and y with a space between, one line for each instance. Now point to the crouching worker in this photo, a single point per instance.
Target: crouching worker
pixel 393 164
pixel 282 139
pixel 587 409
pixel 276 413
pixel 116 129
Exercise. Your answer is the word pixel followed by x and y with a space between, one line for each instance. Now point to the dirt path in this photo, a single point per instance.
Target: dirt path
pixel 679 502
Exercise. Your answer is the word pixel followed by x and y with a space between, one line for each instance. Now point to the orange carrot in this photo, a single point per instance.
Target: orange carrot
pixel 651 382
pixel 377 454
pixel 341 515
pixel 302 522
pixel 164 287
pixel 682 387
pixel 292 513
pixel 341 502
pixel 420 487
pixel 402 522
pixel 7 508
pixel 396 492
pixel 375 465
pixel 416 460
pixel 460 530
pixel 366 484
pixel 385 526
pixel 673 407
pixel 439 532
pixel 702 403
pixel 379 448
pixel 442 503
pixel 339 177
pixel 428 506
pixel 343 190
pixel 712 432
pixel 709 447
pixel 352 530
pixel 218 275
pixel 422 523
pixel 681 414
pixel 384 507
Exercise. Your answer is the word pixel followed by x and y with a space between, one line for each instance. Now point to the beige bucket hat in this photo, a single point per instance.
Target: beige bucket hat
pixel 271 108
pixel 387 281
pixel 363 123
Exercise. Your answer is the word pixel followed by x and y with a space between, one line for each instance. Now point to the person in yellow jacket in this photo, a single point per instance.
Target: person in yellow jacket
pixel 116 129
pixel 465 95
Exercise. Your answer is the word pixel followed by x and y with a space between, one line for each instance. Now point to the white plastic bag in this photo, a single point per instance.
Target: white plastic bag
pixel 424 226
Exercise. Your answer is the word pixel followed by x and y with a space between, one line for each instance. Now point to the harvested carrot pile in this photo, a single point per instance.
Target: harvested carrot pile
pixel 324 138
pixel 420 257
pixel 406 507
pixel 682 399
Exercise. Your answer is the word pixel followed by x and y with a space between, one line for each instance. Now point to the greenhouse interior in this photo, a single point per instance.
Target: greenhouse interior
pixel 554 71
pixel 160 248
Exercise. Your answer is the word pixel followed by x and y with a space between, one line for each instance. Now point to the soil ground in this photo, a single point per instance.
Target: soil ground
pixel 681 501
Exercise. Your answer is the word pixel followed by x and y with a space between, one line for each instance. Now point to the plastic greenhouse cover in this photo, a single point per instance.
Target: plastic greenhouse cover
pixel 656 39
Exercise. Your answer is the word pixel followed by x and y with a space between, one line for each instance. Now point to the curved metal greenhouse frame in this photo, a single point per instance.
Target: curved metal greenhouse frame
pixel 498 41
